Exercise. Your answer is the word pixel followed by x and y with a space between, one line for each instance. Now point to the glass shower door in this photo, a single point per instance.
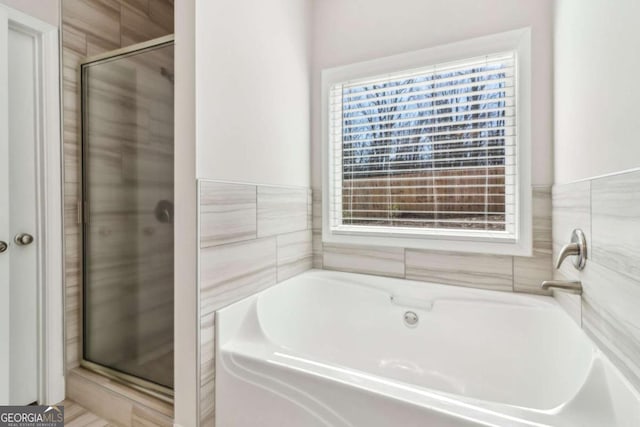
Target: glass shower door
pixel 128 148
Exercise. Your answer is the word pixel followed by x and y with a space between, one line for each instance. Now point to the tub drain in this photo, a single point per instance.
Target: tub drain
pixel 411 319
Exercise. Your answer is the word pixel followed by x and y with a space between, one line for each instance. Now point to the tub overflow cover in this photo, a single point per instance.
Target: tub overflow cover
pixel 411 319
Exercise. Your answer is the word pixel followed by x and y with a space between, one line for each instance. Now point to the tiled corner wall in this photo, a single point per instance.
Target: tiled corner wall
pixel 496 272
pixel 607 209
pixel 92 27
pixel 251 237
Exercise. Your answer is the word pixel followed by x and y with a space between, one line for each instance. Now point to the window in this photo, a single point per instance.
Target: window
pixel 424 154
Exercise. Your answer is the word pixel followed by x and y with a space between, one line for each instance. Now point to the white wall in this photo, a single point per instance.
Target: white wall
pixel 45 10
pixel 186 324
pixel 241 114
pixel 597 88
pixel 253 90
pixel 347 31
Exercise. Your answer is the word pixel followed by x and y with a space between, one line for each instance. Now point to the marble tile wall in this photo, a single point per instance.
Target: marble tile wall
pixel 503 273
pixel 251 237
pixel 91 27
pixel 607 209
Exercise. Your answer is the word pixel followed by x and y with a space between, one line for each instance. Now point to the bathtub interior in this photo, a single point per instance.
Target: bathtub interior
pixel 492 346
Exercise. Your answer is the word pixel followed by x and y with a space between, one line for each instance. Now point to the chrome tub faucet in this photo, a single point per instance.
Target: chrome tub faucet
pixel 571 286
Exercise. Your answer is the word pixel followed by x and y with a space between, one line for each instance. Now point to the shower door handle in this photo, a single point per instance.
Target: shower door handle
pixel 3 247
pixel 164 211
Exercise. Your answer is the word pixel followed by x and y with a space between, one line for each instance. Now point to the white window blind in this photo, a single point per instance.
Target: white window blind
pixel 426 151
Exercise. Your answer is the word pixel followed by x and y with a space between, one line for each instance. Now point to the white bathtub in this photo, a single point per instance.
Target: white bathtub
pixel 334 349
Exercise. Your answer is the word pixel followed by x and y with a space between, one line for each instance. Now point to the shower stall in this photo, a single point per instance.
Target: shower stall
pixel 127 193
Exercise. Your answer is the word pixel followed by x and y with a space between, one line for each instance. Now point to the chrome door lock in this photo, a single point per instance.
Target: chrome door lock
pixel 3 246
pixel 23 239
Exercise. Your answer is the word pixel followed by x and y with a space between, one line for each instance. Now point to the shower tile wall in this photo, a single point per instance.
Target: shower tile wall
pixel 91 27
pixel 503 273
pixel 607 209
pixel 251 237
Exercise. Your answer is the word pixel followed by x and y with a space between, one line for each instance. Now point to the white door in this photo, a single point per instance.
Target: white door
pixel 18 225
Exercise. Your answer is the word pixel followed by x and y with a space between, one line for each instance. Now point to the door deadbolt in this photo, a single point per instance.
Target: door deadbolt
pixel 23 239
pixel 3 247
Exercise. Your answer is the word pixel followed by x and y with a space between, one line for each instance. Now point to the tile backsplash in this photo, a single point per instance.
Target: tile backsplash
pixel 462 269
pixel 254 236
pixel 251 237
pixel 607 209
pixel 503 273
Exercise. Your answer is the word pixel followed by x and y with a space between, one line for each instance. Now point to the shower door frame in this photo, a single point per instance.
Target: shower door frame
pixel 163 393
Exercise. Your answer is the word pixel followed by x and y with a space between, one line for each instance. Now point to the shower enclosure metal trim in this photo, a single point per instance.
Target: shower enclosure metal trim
pixel 134 48
pixel 163 393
